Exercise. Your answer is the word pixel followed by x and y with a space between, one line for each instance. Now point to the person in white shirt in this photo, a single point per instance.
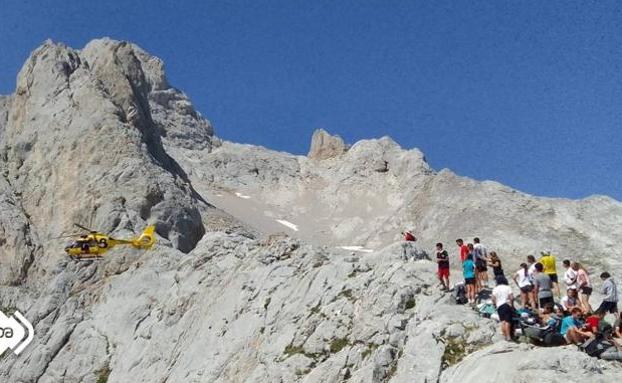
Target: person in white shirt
pixel 523 281
pixel 503 300
pixel 531 263
pixel 570 276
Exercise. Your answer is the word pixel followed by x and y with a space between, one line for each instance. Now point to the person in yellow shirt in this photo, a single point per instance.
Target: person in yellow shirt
pixel 548 262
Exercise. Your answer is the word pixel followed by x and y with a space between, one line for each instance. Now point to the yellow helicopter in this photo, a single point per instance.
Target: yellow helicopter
pixel 95 244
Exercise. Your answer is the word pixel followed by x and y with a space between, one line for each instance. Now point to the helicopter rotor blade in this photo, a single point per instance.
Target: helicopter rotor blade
pixel 67 236
pixel 83 228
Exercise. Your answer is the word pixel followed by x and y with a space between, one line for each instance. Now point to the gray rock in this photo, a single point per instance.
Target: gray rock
pixel 258 289
pixel 325 146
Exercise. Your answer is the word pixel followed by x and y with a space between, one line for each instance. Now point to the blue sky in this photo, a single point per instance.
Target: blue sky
pixel 526 93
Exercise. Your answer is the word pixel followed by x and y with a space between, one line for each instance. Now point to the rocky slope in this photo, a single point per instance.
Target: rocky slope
pixel 369 194
pixel 248 282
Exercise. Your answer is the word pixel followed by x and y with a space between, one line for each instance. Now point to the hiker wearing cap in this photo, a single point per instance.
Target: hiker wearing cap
pixel 584 286
pixel 548 262
pixel 503 300
pixel 610 291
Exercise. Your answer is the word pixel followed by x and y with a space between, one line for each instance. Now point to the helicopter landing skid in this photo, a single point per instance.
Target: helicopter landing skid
pixel 88 258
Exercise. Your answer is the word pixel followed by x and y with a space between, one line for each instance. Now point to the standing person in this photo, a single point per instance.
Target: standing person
pixel 584 286
pixel 548 261
pixel 543 285
pixel 463 250
pixel 481 258
pixel 442 259
pixel 480 267
pixel 531 264
pixel 495 263
pixel 610 291
pixel 468 270
pixel 504 302
pixel 570 276
pixel 522 280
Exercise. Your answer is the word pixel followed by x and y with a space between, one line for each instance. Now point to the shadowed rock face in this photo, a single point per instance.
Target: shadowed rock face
pixel 81 145
pixel 98 136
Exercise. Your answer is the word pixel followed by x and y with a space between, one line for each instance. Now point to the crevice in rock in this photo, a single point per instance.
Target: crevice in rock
pixel 54 353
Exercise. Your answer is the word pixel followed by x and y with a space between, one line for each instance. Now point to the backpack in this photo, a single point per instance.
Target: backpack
pixel 605 329
pixel 487 309
pixel 458 296
pixel 594 347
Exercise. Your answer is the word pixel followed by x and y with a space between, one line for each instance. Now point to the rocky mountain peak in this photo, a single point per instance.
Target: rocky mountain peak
pixel 325 146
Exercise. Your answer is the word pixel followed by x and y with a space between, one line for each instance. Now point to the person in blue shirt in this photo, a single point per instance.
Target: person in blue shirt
pixel 571 328
pixel 468 271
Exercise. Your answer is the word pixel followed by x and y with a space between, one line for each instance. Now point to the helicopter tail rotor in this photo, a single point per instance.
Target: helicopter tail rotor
pixel 146 240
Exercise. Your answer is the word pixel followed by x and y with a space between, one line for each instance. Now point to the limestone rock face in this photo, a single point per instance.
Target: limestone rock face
pixel 324 146
pixel 293 272
pixel 81 146
pixel 525 363
pixel 5 103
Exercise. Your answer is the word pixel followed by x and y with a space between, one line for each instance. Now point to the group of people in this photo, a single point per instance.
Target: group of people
pixel 540 293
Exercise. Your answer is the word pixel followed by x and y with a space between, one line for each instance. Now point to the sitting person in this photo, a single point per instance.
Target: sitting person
pixel 571 328
pixel 571 300
pixel 617 327
pixel 548 316
pixel 592 323
pixel 614 352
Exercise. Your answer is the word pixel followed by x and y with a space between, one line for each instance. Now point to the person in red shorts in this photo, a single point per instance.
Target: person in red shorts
pixel 442 259
pixel 464 250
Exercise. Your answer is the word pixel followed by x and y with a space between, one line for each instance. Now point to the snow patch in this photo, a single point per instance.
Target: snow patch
pixel 357 248
pixel 240 195
pixel 288 224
